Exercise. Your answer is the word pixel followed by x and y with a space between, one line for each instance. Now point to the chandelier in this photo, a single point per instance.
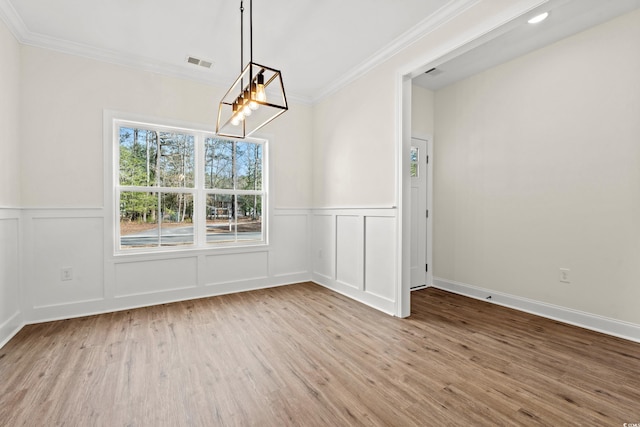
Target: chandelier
pixel 255 98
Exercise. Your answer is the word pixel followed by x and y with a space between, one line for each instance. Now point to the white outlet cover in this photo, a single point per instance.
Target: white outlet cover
pixel 66 274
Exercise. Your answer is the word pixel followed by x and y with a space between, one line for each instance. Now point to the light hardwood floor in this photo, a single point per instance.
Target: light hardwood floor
pixel 303 355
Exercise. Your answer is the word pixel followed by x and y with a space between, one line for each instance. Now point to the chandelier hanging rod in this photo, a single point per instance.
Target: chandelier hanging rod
pixel 242 38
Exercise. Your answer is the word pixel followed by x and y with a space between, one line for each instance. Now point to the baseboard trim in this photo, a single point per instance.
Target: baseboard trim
pixel 366 298
pixel 10 328
pixel 132 302
pixel 605 325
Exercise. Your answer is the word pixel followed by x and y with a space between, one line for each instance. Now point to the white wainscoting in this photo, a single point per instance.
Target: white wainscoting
pixel 75 238
pixel 323 246
pixel 350 263
pixel 290 256
pixel 11 316
pixel 54 242
pixel 141 277
pixel 354 253
pixel 594 322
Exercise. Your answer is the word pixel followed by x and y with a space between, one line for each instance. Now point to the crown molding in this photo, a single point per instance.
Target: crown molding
pixel 26 37
pixel 13 20
pixel 426 26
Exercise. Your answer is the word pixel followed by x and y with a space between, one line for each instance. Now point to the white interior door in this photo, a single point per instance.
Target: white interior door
pixel 418 170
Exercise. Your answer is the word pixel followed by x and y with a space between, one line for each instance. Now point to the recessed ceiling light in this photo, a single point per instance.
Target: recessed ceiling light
pixel 538 18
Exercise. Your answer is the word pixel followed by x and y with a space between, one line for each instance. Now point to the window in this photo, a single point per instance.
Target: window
pixel 414 165
pixel 179 188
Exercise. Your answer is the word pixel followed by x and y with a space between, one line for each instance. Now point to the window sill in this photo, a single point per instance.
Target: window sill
pixel 183 252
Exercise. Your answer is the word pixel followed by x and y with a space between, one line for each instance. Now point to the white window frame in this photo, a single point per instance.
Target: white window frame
pixel 113 121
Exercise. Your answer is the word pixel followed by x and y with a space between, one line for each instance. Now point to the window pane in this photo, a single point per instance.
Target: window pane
pixel 177 219
pixel 141 226
pixel 218 163
pixel 414 157
pixel 221 224
pixel 414 154
pixel 138 148
pixel 249 218
pixel 138 219
pixel 249 165
pixel 176 163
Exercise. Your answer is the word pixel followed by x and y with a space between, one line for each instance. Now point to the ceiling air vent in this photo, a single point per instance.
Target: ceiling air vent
pixel 433 72
pixel 200 62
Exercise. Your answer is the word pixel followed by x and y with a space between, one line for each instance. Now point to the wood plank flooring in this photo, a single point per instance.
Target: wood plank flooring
pixel 302 355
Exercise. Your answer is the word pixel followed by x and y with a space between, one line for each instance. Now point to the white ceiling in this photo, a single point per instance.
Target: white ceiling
pixel 566 17
pixel 317 44
pixel 314 43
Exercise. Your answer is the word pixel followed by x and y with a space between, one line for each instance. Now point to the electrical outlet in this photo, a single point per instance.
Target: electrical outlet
pixel 66 274
pixel 564 275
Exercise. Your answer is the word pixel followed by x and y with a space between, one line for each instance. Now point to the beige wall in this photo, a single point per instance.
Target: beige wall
pixel 537 167
pixel 63 98
pixel 422 111
pixel 353 150
pixel 9 108
pixel 354 129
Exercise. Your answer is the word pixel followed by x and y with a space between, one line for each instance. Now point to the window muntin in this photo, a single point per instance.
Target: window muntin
pixel 187 189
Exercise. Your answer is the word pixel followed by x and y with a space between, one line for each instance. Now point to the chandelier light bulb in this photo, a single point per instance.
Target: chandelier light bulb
pixel 252 103
pixel 238 109
pixel 261 95
pixel 235 119
pixel 246 100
